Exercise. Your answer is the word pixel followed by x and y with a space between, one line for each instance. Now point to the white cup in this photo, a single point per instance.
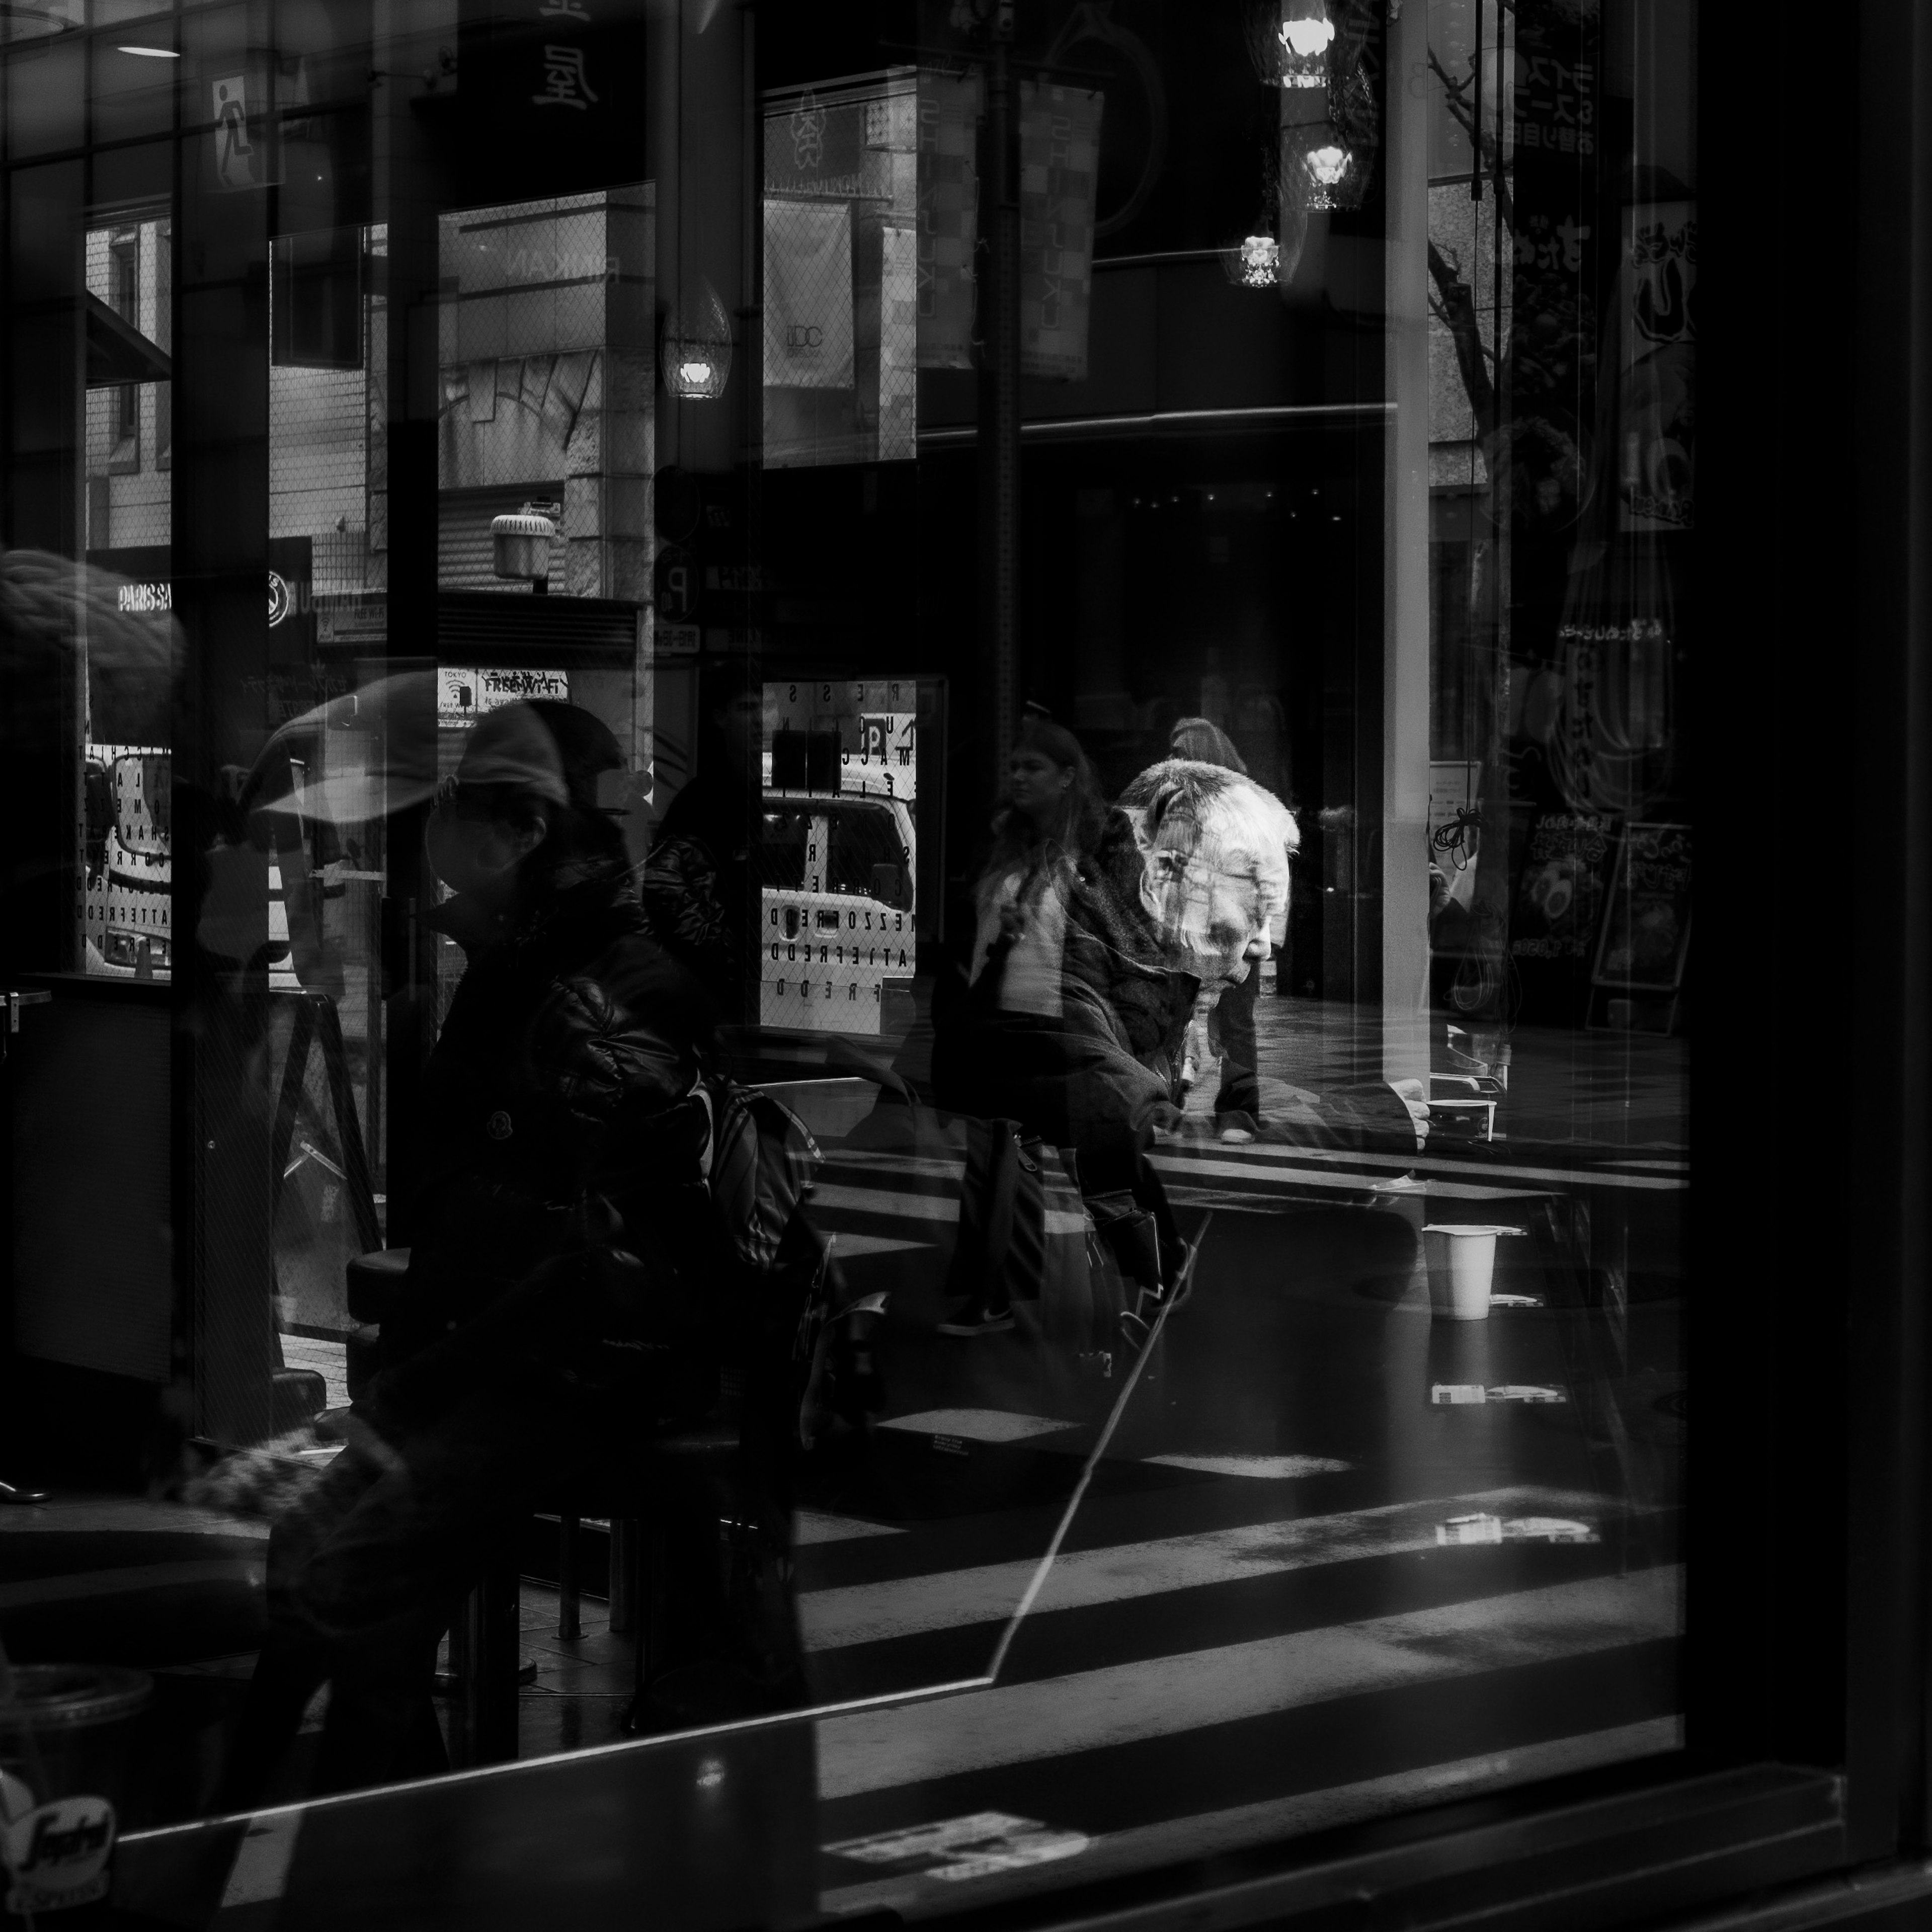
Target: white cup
pixel 1461 1266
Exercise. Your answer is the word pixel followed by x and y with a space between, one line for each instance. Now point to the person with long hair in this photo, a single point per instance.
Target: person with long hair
pixel 1071 1018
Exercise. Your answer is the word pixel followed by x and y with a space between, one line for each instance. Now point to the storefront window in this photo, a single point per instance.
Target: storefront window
pixel 872 840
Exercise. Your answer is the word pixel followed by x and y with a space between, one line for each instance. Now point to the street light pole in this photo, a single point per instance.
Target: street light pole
pixel 999 440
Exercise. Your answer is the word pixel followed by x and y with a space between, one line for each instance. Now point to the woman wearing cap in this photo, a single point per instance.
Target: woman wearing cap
pixel 551 1315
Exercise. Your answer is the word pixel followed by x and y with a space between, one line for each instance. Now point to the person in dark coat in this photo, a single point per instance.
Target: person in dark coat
pixel 553 1315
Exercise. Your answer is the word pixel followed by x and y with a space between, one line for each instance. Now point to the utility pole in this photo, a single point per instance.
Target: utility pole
pixel 999 439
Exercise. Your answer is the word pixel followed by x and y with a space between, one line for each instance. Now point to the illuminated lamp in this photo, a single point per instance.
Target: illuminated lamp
pixel 1327 167
pixel 1254 262
pixel 1304 36
pixel 695 353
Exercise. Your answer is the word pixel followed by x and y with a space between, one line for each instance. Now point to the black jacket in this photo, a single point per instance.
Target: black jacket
pixel 561 1227
pixel 1114 948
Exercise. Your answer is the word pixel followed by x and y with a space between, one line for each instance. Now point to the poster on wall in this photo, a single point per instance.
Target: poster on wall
pixel 837 856
pixel 1647 933
pixel 1560 894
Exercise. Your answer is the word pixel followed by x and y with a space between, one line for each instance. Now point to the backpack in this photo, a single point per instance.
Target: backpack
pixel 759 1162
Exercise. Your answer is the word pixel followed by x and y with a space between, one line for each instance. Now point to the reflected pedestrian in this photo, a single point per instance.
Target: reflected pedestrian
pixel 1230 1017
pixel 1071 1021
pixel 552 1315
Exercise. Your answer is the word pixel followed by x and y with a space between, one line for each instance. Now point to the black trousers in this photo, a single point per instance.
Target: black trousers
pixel 1072 1081
pixel 368 1571
pixel 1241 1090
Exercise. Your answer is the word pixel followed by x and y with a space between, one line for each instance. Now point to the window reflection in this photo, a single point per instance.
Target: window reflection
pixel 920 923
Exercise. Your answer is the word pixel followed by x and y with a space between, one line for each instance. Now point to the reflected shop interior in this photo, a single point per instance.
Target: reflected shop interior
pixel 927 970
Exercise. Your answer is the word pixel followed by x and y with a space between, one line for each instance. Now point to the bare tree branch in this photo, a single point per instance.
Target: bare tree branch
pixel 1462 112
pixel 1457 306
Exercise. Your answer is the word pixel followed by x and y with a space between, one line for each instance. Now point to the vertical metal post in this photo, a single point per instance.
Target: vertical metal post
pixel 1404 855
pixel 569 1582
pixel 623 1575
pixel 1000 399
pixel 491 1647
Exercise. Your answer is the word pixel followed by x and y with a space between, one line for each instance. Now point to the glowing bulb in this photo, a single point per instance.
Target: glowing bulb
pixel 1260 261
pixel 1307 37
pixel 1328 165
pixel 695 372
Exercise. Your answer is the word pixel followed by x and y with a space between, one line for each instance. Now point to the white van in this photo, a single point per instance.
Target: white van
pixel 839 916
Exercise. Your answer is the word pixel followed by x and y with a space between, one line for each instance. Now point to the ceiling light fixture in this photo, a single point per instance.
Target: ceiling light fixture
pixel 1255 263
pixel 1303 38
pixel 150 53
pixel 696 354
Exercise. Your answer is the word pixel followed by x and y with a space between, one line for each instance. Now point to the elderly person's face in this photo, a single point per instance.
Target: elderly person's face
pixel 1217 846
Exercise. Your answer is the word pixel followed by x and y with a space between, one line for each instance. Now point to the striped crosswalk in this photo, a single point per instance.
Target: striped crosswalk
pixel 1010 1724
pixel 872 1612
pixel 1236 1638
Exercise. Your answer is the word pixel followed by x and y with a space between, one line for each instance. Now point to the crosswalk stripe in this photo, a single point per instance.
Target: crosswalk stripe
pixel 976 1425
pixel 896 1202
pixel 873 1612
pixel 816 1526
pixel 1236 1828
pixel 1023 1722
pixel 1263 1468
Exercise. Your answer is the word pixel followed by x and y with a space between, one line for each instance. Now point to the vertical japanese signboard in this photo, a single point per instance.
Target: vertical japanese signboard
pixel 1554 286
pixel 948 215
pixel 1059 163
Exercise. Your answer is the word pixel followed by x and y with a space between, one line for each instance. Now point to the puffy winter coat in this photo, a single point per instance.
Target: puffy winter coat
pixel 561 1227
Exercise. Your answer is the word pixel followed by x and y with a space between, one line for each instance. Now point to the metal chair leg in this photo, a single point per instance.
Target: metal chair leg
pixel 640 1585
pixel 491 1642
pixel 569 1583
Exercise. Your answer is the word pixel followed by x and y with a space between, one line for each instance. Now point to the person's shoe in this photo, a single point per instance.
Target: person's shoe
pixel 11 1492
pixel 968 1324
pixel 1236 1127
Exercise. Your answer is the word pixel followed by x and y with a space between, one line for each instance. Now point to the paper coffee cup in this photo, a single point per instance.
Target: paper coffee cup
pixel 64 1740
pixel 1461 1266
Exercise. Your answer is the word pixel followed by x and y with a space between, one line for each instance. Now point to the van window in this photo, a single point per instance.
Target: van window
pixel 861 837
pixel 783 838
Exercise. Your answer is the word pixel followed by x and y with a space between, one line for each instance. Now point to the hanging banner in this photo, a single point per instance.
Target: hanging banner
pixel 1658 414
pixel 949 216
pixel 1060 161
pixel 808 294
